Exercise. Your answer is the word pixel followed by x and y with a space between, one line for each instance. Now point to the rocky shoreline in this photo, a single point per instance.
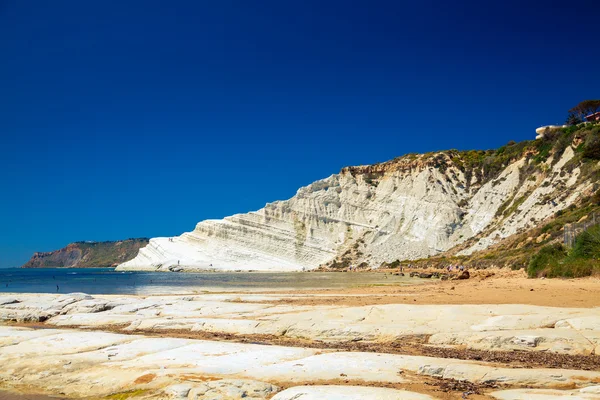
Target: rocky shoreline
pixel 279 346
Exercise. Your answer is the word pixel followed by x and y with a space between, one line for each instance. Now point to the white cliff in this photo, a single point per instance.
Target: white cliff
pixel 408 208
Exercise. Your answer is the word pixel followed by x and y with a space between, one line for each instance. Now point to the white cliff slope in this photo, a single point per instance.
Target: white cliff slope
pixel 408 208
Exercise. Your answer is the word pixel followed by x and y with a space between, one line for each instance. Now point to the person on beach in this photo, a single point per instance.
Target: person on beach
pixel 57 288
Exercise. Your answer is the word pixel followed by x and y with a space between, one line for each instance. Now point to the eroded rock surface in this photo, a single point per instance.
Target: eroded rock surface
pixel 84 363
pixel 79 362
pixel 333 392
pixel 221 389
pixel 590 393
pixel 480 327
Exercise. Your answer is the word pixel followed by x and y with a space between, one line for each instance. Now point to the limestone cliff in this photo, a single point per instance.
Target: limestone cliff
pixel 411 207
pixel 88 255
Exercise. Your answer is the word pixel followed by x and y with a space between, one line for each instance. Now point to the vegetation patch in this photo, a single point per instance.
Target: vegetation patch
pixel 517 251
pixel 127 395
pixel 557 261
pixel 515 205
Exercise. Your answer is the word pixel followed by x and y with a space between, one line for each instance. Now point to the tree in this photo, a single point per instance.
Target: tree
pixel 585 108
pixel 573 119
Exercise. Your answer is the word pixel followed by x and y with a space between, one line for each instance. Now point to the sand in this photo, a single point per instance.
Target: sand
pixel 484 287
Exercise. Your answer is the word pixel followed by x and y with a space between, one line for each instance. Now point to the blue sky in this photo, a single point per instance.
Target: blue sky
pixel 141 118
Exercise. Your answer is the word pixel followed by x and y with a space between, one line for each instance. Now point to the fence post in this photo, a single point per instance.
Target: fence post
pixel 571 230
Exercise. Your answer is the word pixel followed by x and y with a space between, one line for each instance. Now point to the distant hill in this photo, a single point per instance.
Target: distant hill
pixel 88 254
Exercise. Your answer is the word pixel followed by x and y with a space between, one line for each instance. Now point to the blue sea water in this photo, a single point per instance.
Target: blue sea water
pixel 109 281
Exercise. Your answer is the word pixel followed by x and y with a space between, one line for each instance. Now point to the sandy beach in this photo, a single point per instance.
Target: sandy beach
pixel 490 286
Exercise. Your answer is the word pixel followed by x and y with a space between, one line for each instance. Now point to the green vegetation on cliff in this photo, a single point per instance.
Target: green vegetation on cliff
pixel 487 164
pixel 538 249
pixel 555 260
pixel 88 254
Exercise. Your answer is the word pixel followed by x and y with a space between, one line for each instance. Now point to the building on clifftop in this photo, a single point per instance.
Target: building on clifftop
pixel 593 117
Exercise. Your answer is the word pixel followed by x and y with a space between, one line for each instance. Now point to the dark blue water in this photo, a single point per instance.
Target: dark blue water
pixel 109 281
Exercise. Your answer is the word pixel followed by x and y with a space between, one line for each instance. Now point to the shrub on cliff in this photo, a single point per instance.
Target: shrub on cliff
pixel 548 259
pixel 587 244
pixel 591 147
pixel 555 261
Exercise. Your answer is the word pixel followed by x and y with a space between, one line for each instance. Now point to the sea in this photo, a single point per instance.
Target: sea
pixel 109 281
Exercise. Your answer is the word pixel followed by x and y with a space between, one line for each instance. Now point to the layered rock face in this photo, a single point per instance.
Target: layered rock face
pixel 408 208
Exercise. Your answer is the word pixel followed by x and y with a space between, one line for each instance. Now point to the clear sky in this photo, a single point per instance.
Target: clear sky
pixel 125 119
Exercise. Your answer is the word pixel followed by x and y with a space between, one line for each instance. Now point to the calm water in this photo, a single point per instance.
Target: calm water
pixel 109 281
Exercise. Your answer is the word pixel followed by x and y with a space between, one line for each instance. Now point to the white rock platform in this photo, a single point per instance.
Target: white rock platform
pixel 85 363
pixel 573 331
pixel 68 359
pixel 334 392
